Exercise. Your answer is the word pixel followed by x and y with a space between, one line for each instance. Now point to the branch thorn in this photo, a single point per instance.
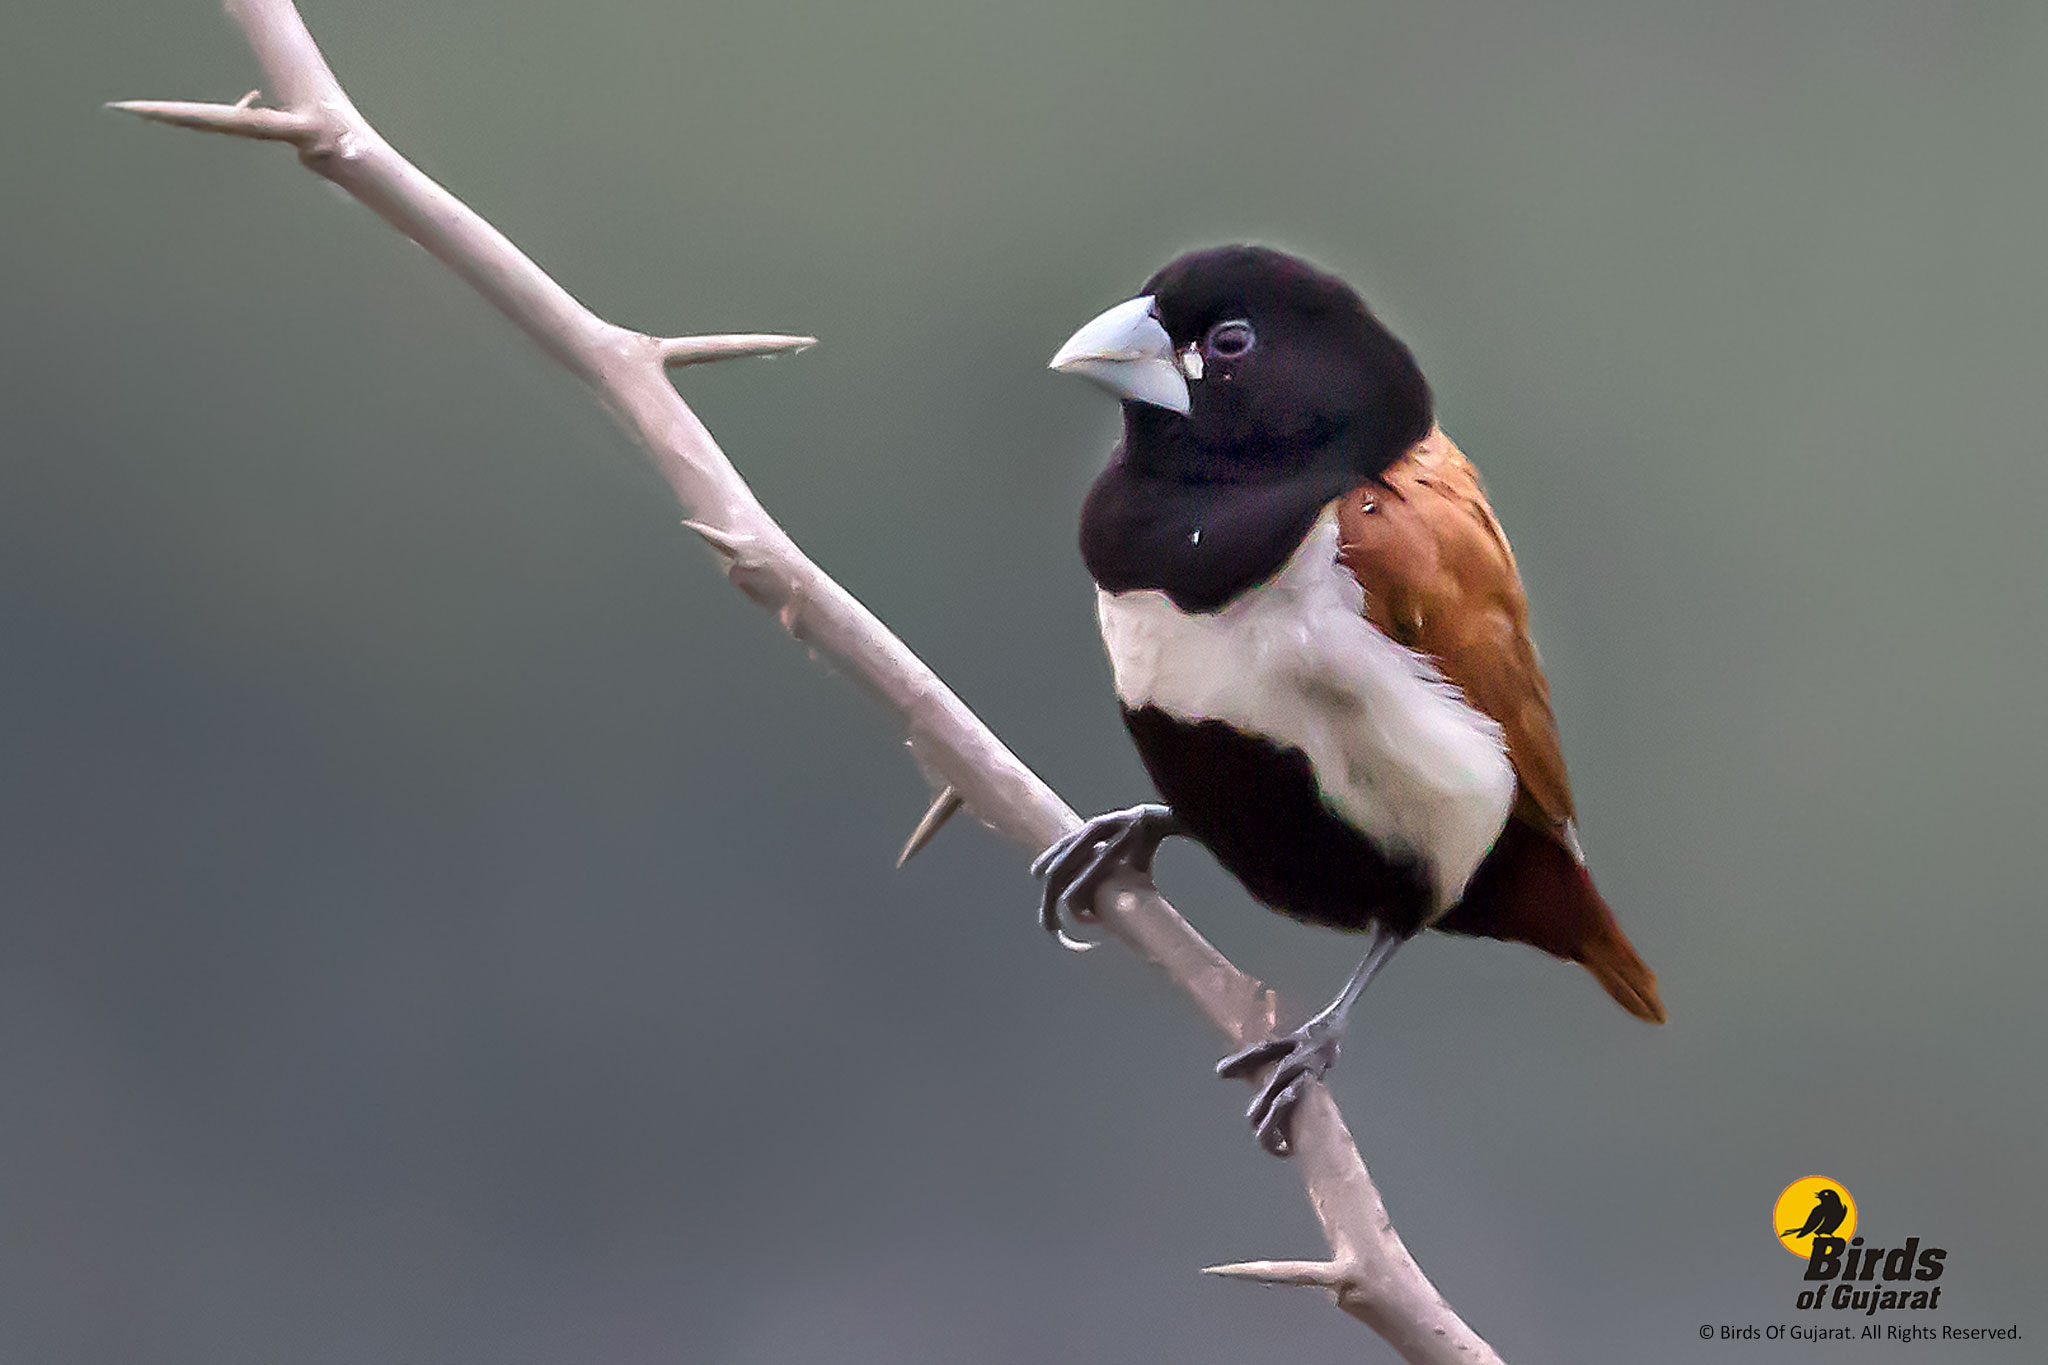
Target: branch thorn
pixel 943 808
pixel 677 352
pixel 728 544
pixel 1315 1274
pixel 241 119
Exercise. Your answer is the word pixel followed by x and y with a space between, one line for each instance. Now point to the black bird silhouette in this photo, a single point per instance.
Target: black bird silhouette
pixel 1828 1213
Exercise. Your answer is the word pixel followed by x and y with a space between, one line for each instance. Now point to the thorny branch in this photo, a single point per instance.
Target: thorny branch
pixel 1369 1272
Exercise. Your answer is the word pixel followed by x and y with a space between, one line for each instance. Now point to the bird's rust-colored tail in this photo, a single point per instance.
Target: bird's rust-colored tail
pixel 1613 962
pixel 1531 890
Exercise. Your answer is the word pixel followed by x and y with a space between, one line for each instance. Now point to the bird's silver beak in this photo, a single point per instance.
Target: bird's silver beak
pixel 1128 352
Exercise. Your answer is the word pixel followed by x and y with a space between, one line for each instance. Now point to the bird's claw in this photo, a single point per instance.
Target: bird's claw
pixel 1076 865
pixel 1299 1059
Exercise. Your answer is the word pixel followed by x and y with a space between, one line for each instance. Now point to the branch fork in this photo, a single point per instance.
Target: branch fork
pixel 1370 1274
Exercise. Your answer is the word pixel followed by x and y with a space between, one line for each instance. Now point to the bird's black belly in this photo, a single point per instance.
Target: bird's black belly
pixel 1256 806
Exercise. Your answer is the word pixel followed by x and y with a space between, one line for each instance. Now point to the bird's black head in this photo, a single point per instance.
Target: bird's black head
pixel 1285 366
pixel 1256 389
pixel 1240 363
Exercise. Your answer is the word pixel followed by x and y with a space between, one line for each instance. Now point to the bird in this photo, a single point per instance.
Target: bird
pixel 1320 645
pixel 1828 1213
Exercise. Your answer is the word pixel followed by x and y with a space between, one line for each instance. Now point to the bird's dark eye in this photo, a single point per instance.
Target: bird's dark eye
pixel 1229 340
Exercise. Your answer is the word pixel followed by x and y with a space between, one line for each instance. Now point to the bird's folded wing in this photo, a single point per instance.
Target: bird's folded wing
pixel 1439 578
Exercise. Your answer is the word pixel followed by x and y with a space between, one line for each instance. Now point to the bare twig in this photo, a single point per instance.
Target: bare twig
pixel 1370 1272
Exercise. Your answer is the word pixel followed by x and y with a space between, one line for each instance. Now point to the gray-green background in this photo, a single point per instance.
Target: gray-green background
pixel 441 921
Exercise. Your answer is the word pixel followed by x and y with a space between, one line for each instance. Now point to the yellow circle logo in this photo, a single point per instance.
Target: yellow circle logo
pixel 1812 1206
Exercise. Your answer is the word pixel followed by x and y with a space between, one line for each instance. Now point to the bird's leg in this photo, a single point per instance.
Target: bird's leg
pixel 1078 864
pixel 1304 1056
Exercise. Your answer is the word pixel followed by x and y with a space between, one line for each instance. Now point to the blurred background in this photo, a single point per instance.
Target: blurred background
pixel 443 921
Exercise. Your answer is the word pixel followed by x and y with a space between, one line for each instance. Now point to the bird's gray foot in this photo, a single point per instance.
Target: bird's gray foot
pixel 1077 865
pixel 1299 1060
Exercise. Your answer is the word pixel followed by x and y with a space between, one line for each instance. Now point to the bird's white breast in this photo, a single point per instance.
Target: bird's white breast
pixel 1396 750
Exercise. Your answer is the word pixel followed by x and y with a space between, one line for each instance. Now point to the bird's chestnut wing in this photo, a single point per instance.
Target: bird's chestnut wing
pixel 1440 578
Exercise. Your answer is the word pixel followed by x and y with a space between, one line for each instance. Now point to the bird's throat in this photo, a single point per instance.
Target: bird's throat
pixel 1200 543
